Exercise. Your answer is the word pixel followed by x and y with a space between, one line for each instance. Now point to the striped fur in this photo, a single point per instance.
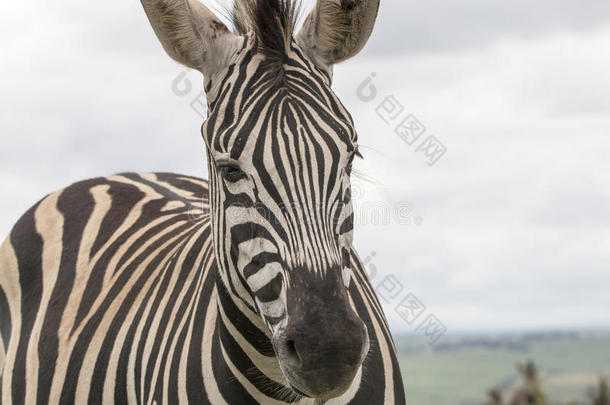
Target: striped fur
pixel 167 289
pixel 126 306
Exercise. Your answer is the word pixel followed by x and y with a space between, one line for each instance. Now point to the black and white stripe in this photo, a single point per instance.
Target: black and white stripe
pixel 109 294
pixel 164 289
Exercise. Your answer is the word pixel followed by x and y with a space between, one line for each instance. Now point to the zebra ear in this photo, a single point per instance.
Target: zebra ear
pixel 191 34
pixel 336 30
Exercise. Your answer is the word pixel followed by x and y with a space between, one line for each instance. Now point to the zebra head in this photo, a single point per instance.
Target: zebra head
pixel 280 148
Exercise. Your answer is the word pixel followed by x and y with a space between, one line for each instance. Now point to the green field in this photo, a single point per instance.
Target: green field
pixel 459 370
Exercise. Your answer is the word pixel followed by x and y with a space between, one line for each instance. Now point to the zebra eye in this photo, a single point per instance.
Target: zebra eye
pixel 231 173
pixel 349 167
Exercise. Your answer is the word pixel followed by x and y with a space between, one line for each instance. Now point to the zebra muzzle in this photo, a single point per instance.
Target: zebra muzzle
pixel 321 361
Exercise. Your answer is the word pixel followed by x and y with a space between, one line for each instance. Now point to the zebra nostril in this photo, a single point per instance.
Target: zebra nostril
pixel 292 353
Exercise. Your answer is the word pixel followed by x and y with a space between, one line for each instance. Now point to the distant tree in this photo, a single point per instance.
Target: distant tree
pixel 530 393
pixel 601 394
pixel 494 397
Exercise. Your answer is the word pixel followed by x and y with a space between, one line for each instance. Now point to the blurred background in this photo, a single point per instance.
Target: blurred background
pixel 482 204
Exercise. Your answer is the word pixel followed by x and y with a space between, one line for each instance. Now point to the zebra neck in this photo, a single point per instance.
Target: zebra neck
pixel 245 344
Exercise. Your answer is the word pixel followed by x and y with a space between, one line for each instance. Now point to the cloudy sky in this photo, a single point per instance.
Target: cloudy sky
pixel 508 230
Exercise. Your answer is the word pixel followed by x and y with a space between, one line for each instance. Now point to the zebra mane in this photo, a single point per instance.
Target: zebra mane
pixel 273 23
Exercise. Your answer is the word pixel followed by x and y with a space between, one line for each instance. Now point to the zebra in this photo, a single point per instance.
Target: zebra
pixel 159 288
